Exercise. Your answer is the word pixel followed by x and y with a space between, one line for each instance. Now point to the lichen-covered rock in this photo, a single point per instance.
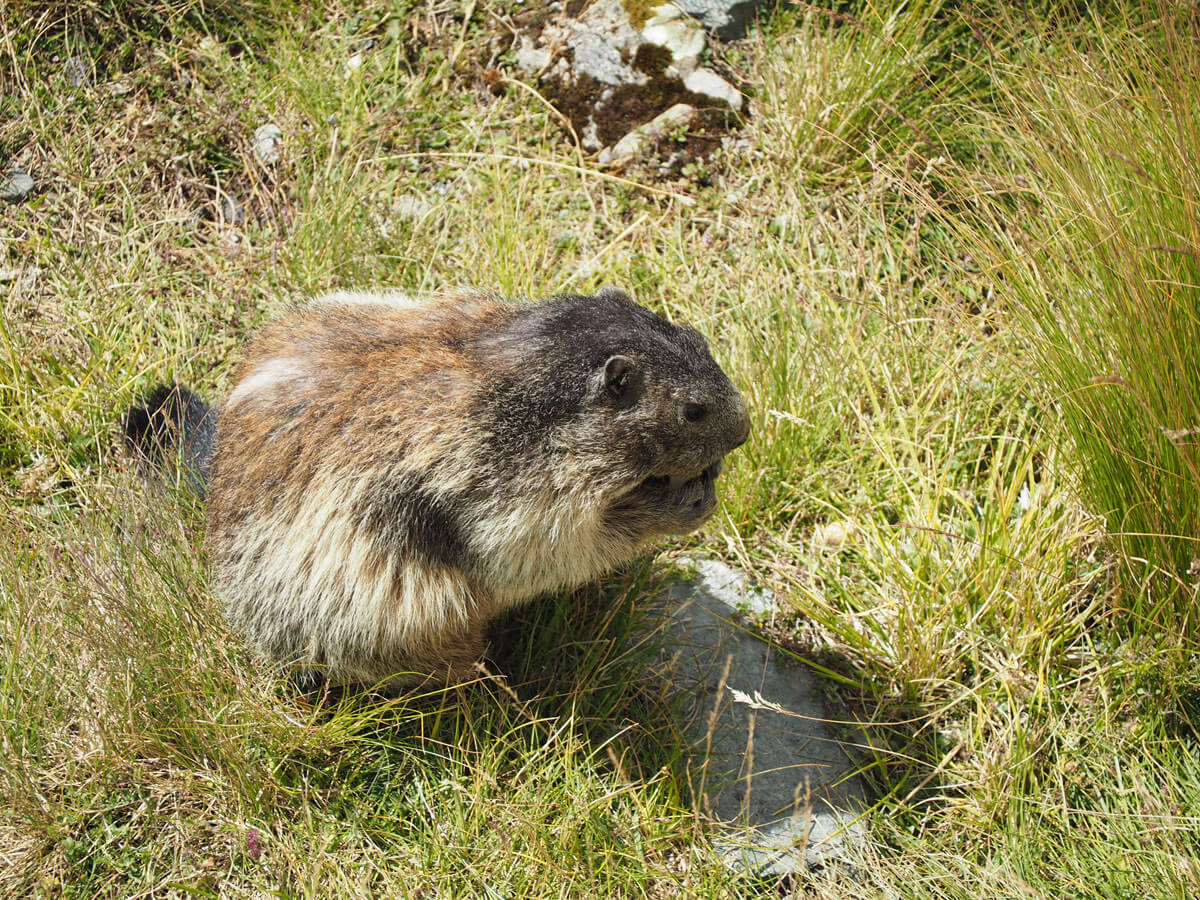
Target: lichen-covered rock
pixel 531 58
pixel 610 18
pixel 598 57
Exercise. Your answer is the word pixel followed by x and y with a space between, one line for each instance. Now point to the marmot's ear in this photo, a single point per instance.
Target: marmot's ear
pixel 622 377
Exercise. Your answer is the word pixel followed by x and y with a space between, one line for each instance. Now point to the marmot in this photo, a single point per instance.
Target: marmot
pixel 387 475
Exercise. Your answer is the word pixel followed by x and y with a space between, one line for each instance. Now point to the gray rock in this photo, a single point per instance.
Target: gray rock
pixel 639 141
pixel 78 72
pixel 587 61
pixel 589 137
pixel 710 84
pixel 16 186
pixel 730 19
pixel 410 207
pixel 764 763
pixel 531 58
pixel 601 41
pixel 233 210
pixel 610 18
pixel 674 31
pixel 268 143
pixel 597 56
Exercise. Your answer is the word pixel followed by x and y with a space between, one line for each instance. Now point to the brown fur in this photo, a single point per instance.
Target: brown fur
pixel 390 476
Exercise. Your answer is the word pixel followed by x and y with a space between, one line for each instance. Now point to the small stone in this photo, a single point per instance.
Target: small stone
pixel 611 19
pixel 233 210
pixel 639 141
pixel 710 84
pixel 600 41
pixel 410 207
pixel 268 143
pixel 353 64
pixel 16 186
pixel 598 57
pixel 590 136
pixel 78 72
pixel 835 535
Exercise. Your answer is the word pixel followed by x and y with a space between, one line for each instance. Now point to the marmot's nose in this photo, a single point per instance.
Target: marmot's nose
pixel 742 434
pixel 745 434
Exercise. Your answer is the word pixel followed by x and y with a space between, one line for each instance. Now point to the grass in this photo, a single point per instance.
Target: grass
pixel 1098 249
pixel 968 348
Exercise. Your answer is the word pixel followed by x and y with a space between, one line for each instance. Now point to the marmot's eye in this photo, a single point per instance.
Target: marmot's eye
pixel 694 412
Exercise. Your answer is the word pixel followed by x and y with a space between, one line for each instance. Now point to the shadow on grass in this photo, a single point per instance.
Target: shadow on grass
pixel 578 665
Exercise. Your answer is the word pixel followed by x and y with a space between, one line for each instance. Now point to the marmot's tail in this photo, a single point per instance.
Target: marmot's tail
pixel 171 427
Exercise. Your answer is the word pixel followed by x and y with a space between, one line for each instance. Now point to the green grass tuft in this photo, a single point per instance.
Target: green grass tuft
pixel 1091 232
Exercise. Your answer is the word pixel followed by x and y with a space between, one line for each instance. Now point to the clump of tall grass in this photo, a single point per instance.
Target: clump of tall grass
pixel 1094 235
pixel 855 90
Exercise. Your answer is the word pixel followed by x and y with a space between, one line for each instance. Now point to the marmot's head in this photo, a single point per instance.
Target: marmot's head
pixel 637 403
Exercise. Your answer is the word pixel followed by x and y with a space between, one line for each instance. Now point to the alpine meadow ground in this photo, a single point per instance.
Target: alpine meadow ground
pixel 952 265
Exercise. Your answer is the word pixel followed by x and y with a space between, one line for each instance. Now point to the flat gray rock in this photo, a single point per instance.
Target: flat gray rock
pixel 764 762
pixel 595 55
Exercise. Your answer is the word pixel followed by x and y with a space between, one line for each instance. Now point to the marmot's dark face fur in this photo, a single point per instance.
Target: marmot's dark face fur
pixel 389 474
pixel 642 404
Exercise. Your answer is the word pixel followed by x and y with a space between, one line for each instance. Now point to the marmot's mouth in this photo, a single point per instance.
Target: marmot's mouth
pixel 673 504
pixel 673 483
